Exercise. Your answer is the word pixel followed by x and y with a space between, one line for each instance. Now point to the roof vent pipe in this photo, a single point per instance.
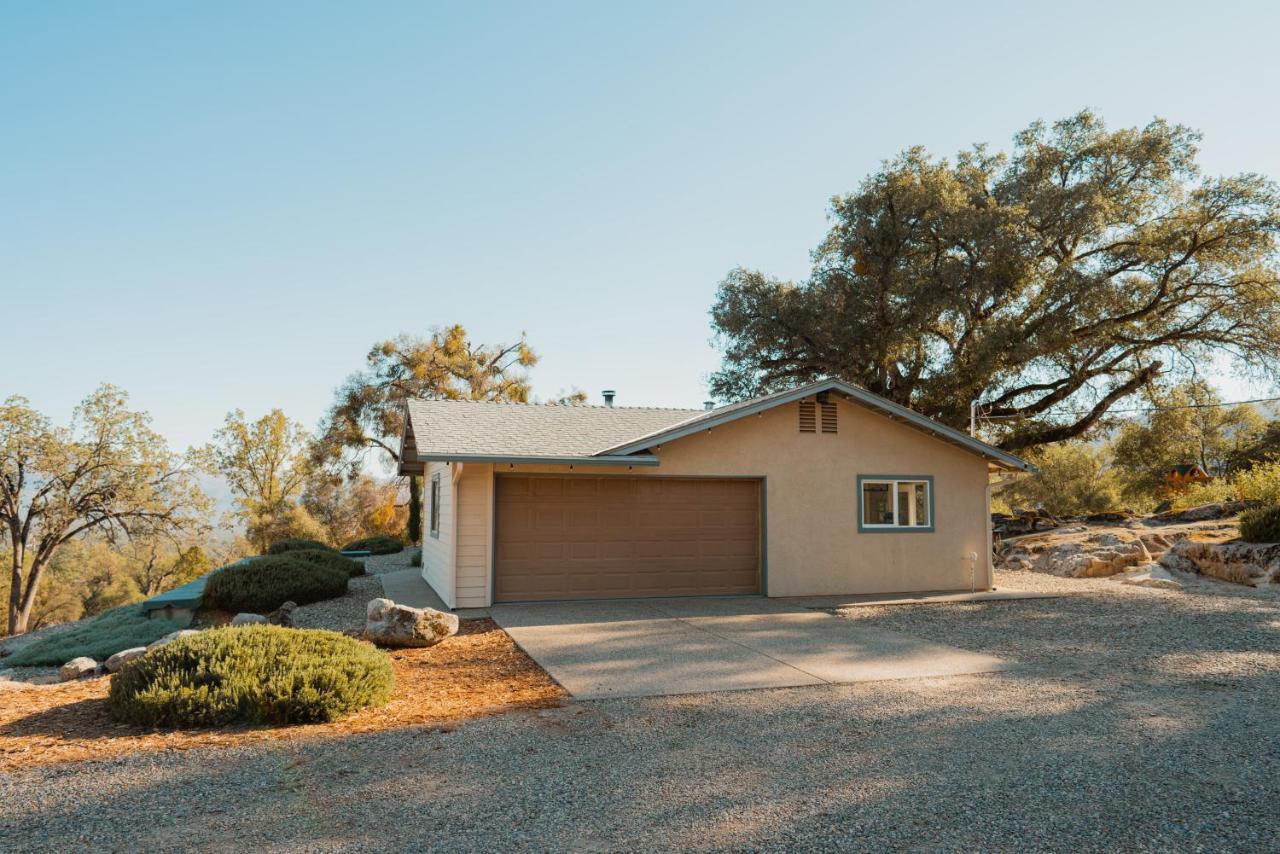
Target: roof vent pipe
pixel 708 405
pixel 608 396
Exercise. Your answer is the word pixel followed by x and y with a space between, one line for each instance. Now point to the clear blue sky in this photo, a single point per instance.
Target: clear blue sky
pixel 219 205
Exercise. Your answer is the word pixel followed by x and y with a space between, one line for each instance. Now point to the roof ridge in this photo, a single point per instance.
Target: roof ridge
pixel 553 405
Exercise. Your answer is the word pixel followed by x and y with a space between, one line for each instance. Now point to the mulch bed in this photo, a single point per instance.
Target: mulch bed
pixel 478 672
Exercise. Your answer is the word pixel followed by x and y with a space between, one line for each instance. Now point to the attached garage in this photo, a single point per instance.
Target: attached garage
pixel 820 490
pixel 608 537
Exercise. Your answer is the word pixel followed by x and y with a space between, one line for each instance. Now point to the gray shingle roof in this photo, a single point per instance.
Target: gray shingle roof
pixel 465 428
pixel 451 429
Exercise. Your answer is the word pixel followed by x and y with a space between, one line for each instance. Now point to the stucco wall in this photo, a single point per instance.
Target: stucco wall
pixel 437 551
pixel 813 543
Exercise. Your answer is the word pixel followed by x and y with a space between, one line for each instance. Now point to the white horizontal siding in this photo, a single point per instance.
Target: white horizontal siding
pixel 474 529
pixel 437 551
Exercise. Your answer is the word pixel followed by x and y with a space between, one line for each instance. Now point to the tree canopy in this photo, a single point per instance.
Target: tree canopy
pixel 1050 283
pixel 107 474
pixel 368 409
pixel 1187 424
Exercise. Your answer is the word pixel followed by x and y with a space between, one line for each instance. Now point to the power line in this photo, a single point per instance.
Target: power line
pixel 1144 409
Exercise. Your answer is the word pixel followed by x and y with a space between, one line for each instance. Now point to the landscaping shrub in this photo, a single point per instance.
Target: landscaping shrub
pixel 283 546
pixel 1261 525
pixel 351 567
pixel 251 674
pixel 263 584
pixel 380 545
pixel 100 637
pixel 416 559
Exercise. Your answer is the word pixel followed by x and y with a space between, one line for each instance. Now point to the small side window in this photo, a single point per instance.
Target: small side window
pixel 888 503
pixel 435 506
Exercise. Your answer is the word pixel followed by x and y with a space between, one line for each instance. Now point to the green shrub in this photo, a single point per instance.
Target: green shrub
pixel 416 559
pixel 100 637
pixel 380 545
pixel 282 546
pixel 351 567
pixel 265 583
pixel 1261 525
pixel 251 674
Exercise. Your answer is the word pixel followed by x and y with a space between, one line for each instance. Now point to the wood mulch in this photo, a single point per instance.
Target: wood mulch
pixel 480 671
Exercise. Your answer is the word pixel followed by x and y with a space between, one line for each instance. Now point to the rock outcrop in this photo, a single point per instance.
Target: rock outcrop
pixel 389 624
pixel 1078 552
pixel 1251 564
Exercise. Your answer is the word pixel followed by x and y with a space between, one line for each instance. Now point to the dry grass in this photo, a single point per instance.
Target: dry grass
pixel 478 672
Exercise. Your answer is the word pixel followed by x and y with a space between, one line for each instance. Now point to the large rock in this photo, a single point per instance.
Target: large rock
pixel 123 657
pixel 1077 553
pixel 78 668
pixel 172 636
pixel 247 619
pixel 1251 564
pixel 1151 575
pixel 389 624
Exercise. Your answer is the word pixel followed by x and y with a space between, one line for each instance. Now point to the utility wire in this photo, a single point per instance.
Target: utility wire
pixel 1144 410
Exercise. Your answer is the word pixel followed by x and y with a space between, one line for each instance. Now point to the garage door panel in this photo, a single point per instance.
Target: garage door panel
pixel 586 537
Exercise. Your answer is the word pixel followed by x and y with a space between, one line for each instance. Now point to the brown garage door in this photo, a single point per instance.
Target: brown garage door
pixel 618 537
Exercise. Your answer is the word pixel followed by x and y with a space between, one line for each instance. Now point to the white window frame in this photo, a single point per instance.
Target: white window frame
pixel 433 513
pixel 892 481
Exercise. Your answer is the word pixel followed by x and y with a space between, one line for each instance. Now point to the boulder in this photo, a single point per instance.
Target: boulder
pixel 124 656
pixel 389 624
pixel 1151 575
pixel 172 636
pixel 247 619
pixel 1080 553
pixel 78 668
pixel 283 616
pixel 1251 564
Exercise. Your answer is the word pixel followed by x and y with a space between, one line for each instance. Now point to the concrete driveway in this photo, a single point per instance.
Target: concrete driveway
pixel 652 647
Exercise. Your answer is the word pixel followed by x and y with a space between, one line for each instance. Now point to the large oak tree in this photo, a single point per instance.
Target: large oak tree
pixel 1049 284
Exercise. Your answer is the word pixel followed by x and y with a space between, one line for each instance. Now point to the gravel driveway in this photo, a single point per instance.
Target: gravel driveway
pixel 1140 719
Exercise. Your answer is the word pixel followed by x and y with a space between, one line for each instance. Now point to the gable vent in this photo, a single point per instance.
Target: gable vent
pixel 829 417
pixel 808 417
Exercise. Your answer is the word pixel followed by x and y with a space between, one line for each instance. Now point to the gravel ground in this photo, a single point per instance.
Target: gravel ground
pixel 345 612
pixel 378 564
pixel 1138 719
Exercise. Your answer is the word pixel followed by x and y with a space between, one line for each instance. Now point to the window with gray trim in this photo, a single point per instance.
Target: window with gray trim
pixel 435 505
pixel 891 503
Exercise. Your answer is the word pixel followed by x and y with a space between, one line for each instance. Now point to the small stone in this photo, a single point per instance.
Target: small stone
pixel 389 624
pixel 283 616
pixel 172 636
pixel 247 619
pixel 77 668
pixel 124 656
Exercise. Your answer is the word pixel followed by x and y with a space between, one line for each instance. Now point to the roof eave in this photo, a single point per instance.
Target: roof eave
pixel 542 459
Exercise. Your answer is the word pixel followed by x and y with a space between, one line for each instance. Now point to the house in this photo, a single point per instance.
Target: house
pixel 1182 475
pixel 823 489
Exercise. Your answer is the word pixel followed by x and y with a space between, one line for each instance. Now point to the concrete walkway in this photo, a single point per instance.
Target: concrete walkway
pixel 406 587
pixel 652 647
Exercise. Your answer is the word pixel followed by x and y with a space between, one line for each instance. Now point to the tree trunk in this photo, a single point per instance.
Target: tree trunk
pixel 415 511
pixel 17 623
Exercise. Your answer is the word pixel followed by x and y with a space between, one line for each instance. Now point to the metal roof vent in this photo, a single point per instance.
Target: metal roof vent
pixel 608 394
pixel 708 405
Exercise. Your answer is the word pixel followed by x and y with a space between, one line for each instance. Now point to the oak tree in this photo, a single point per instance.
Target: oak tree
pixel 1050 284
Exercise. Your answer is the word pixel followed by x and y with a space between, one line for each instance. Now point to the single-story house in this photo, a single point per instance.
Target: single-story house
pixel 823 489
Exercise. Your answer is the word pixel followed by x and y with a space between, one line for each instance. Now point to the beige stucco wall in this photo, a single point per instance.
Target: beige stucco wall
pixel 813 543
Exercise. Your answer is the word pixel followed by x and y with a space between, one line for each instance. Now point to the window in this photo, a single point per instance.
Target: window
pixel 435 506
pixel 892 503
